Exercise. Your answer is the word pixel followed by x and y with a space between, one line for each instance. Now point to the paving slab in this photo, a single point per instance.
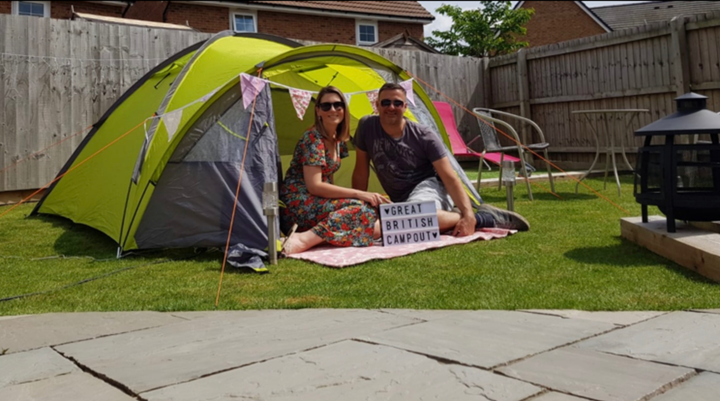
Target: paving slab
pixel 703 387
pixel 12 317
pixel 679 338
pixel 489 338
pixel 595 375
pixel 427 315
pixel 706 310
pixel 616 318
pixel 553 396
pixel 37 331
pixel 22 367
pixel 179 352
pixel 268 313
pixel 347 371
pixel 78 386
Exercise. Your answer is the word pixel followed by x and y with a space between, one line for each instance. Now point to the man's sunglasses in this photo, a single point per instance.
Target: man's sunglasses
pixel 388 102
pixel 325 106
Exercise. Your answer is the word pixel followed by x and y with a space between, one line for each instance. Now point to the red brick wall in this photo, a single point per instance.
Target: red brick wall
pixel 147 10
pixel 62 10
pixel 202 18
pixel 390 29
pixel 307 27
pixel 558 21
pixel 5 7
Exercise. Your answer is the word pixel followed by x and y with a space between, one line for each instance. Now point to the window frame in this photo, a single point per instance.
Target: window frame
pixel 243 13
pixel 373 24
pixel 15 7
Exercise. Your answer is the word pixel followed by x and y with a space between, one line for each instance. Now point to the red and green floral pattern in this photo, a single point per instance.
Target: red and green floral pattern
pixel 340 222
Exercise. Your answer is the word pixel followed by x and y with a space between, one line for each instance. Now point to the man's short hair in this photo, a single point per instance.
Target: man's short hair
pixel 391 86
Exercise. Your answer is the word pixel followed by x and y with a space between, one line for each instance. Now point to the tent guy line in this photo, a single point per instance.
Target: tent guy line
pixel 237 194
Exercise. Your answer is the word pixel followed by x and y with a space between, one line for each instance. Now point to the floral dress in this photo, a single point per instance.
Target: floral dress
pixel 340 222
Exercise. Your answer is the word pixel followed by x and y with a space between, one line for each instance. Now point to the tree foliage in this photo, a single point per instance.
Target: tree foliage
pixel 490 30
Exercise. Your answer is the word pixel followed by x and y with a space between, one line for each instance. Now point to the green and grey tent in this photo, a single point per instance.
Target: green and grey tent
pixel 161 167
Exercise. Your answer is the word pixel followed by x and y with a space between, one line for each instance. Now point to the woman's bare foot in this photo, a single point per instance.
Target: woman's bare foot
pixel 301 242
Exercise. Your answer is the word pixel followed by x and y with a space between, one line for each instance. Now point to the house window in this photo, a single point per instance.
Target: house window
pixel 366 32
pixel 243 22
pixel 31 8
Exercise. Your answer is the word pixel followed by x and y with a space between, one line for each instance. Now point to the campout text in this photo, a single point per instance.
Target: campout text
pixel 411 238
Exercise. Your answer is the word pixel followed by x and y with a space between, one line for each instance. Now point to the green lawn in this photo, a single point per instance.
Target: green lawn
pixel 573 258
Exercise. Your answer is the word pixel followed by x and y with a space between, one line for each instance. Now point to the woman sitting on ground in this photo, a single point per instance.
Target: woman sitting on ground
pixel 325 212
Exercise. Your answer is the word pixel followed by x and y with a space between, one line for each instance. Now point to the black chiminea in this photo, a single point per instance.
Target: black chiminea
pixel 683 178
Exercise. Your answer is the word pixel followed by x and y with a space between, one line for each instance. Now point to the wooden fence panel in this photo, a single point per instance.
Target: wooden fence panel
pixel 58 77
pixel 641 67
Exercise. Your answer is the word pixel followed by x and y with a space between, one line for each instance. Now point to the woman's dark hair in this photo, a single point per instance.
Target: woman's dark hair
pixel 343 130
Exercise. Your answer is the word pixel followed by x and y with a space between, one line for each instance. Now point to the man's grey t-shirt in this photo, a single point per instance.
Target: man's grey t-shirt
pixel 402 163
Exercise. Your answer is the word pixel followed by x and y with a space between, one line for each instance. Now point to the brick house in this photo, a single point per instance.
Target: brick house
pixel 558 21
pixel 627 16
pixel 363 23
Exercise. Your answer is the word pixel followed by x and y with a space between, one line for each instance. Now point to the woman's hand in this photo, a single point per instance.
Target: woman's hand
pixel 372 198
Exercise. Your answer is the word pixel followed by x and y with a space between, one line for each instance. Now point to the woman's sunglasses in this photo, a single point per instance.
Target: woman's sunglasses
pixel 325 106
pixel 388 102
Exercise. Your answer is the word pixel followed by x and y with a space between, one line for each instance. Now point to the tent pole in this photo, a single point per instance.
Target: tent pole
pixel 270 209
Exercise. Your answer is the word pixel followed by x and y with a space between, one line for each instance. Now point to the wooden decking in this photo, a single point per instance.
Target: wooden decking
pixel 695 248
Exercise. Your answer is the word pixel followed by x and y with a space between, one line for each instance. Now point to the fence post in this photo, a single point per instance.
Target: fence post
pixel 679 59
pixel 524 94
pixel 486 83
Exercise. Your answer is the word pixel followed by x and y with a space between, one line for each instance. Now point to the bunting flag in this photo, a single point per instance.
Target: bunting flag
pixel 347 99
pixel 372 97
pixel 301 101
pixel 172 121
pixel 250 87
pixel 408 86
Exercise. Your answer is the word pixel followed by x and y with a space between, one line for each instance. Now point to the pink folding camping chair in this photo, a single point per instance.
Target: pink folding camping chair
pixel 460 148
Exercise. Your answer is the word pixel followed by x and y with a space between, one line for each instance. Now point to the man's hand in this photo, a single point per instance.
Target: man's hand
pixel 373 198
pixel 465 226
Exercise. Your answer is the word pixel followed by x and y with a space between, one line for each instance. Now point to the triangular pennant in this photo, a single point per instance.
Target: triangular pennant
pixel 300 100
pixel 172 121
pixel 372 97
pixel 250 87
pixel 408 86
pixel 347 99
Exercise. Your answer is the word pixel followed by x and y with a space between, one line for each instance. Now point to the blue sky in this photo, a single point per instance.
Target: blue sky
pixel 443 23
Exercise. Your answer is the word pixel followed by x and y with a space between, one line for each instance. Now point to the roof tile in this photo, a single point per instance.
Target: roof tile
pixel 403 9
pixel 631 15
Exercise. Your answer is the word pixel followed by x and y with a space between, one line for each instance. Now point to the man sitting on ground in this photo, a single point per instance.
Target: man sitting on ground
pixel 409 158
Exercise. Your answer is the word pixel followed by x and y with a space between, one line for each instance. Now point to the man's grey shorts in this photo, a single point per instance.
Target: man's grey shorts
pixel 432 189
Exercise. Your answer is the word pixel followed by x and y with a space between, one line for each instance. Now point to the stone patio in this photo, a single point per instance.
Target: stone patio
pixel 330 354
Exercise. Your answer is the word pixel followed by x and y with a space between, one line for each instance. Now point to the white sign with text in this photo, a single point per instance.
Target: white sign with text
pixel 409 223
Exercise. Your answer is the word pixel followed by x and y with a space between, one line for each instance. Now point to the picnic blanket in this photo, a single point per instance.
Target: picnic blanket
pixel 337 257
